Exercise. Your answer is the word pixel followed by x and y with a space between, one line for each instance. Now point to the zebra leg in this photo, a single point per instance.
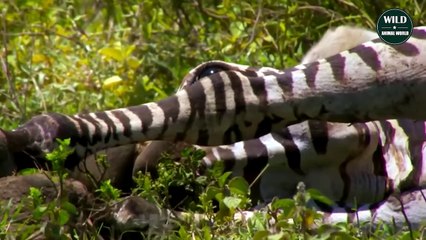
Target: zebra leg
pixel 300 152
pixel 7 162
pixel 337 40
pixel 114 164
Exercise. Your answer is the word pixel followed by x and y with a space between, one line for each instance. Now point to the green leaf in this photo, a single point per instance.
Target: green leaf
pixel 318 196
pixel 284 204
pixel 112 81
pixel 261 235
pixel 112 53
pixel 28 171
pixel 133 62
pixel 35 195
pixel 232 202
pixel 343 235
pixel 108 192
pixel 219 196
pixel 63 217
pixel 201 179
pixel 69 207
pixel 207 234
pixel 239 186
pixel 222 179
pixel 211 192
pixel 39 211
pixel 276 236
pixel 183 234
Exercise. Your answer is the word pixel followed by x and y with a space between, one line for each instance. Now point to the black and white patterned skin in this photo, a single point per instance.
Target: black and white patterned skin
pixel 232 103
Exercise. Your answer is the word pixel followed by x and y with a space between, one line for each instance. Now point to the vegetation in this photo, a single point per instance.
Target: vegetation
pixel 80 56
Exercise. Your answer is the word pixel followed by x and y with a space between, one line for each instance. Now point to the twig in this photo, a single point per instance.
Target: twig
pixel 258 15
pixel 259 175
pixel 207 12
pixel 423 195
pixel 405 216
pixel 6 71
pixel 36 86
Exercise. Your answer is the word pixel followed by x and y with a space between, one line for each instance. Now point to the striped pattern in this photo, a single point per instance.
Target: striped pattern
pixel 224 103
pixel 357 148
pixel 306 151
pixel 352 164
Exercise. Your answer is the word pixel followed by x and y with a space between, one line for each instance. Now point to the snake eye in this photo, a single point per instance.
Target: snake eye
pixel 209 70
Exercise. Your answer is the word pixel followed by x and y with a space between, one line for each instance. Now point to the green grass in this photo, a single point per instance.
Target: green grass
pixel 282 219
